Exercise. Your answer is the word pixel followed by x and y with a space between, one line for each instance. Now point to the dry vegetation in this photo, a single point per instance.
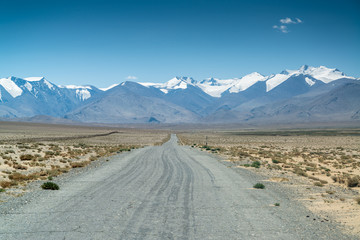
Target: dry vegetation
pixel 30 152
pixel 323 166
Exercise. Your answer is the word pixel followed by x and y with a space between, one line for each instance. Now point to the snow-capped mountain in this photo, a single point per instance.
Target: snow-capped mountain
pixel 131 102
pixel 184 100
pixel 24 97
pixel 172 84
pixel 82 92
pixel 216 87
pixel 321 73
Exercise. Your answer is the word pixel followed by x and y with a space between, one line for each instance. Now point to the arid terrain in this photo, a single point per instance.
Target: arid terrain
pixel 322 167
pixel 162 192
pixel 30 151
pixel 167 185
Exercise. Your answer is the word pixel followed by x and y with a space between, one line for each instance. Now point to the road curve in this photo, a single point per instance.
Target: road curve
pixel 162 192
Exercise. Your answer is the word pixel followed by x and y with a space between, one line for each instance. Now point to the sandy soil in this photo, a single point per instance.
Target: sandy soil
pixel 322 167
pixel 31 151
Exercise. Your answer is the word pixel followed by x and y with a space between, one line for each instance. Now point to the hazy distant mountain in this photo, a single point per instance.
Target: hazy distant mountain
pixel 307 94
pixel 131 102
pixel 328 103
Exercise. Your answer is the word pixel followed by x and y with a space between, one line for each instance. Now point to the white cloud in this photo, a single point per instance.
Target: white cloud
pixel 131 78
pixel 282 28
pixel 286 21
pixel 290 21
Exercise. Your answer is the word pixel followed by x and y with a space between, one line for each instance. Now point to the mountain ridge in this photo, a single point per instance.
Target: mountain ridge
pixel 252 97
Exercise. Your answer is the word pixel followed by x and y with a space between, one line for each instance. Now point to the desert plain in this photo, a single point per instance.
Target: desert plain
pixel 319 167
pixel 32 151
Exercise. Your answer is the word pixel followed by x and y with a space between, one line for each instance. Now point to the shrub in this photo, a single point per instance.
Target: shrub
pixel 330 192
pixel 22 177
pixel 7 184
pixel 20 167
pixel 339 179
pixel 300 172
pixel 79 164
pixel 26 157
pixel 318 184
pixel 259 186
pixel 353 181
pixel 2 190
pixel 277 204
pixel 50 186
pixel 357 200
pixel 256 164
pixel 275 161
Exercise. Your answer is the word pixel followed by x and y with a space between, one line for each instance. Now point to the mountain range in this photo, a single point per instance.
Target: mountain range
pixel 309 94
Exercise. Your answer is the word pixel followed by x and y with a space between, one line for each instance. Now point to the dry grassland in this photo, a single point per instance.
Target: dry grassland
pixel 31 152
pixel 321 166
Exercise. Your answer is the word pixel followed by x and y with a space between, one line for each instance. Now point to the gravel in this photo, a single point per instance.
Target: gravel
pixel 164 192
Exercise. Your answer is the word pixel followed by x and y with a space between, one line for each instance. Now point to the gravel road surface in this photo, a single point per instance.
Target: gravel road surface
pixel 162 192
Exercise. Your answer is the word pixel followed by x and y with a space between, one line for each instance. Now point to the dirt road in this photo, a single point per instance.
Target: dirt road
pixel 165 192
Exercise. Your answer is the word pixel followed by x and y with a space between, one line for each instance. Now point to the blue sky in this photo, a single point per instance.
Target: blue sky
pixel 105 42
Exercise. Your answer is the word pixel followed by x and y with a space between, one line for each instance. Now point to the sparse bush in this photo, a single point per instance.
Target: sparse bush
pixel 318 184
pixel 79 164
pixel 353 181
pixel 50 186
pixel 330 192
pixel 7 184
pixel 300 172
pixel 259 186
pixel 26 157
pixel 256 164
pixel 22 177
pixel 20 167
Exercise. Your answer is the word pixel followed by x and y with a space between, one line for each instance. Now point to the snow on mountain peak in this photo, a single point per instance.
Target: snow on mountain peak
pixel 28 86
pixel 13 89
pixel 179 82
pixel 50 86
pixel 74 87
pixel 215 87
pixel 37 79
pixel 246 82
pixel 83 94
pixel 321 73
pixel 304 68
pixel 34 79
pixel 275 80
pixel 210 81
pixel 110 87
pixel 309 81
